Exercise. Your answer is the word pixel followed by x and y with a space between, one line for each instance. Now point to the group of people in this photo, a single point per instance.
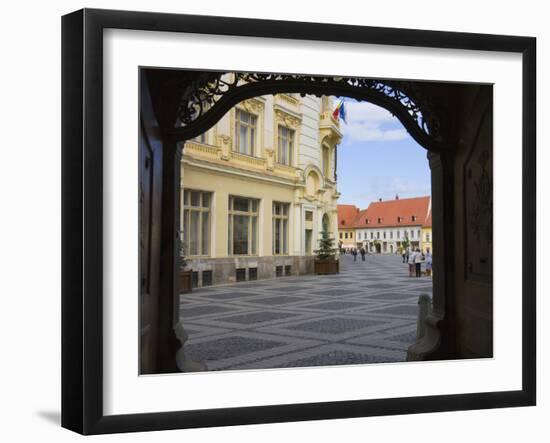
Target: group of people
pixel 414 258
pixel 355 251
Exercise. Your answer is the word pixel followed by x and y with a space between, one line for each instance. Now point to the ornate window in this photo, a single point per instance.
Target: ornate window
pixel 285 147
pixel 196 222
pixel 280 228
pixel 245 132
pixel 242 226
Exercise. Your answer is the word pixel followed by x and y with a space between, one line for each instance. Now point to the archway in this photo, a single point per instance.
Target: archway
pixel 202 98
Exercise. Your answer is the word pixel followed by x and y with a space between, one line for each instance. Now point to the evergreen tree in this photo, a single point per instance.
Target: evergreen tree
pixel 326 250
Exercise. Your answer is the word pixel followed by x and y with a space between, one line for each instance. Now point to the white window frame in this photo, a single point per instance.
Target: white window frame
pixel 251 133
pixel 252 247
pixel 187 209
pixel 280 218
pixel 288 148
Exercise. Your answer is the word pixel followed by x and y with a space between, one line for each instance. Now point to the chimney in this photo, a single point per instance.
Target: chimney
pixel 379 199
pixel 397 196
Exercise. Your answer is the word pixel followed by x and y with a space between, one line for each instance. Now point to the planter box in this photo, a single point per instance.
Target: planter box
pixel 326 267
pixel 185 282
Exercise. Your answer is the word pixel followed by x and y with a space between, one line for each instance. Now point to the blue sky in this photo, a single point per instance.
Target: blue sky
pixel 377 158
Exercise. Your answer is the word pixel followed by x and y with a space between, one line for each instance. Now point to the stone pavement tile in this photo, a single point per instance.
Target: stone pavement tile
pixel 370 306
pixel 286 288
pixel 407 310
pixel 327 355
pixel 229 295
pixel 197 331
pixel 219 348
pixel 236 348
pixel 340 291
pixel 257 317
pixel 334 306
pixel 278 300
pixel 394 296
pixel 334 325
pixel 202 310
pixel 329 328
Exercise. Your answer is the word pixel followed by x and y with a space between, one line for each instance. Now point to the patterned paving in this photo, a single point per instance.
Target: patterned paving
pixel 365 314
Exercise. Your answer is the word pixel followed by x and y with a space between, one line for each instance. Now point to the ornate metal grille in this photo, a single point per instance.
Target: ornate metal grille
pixel 208 88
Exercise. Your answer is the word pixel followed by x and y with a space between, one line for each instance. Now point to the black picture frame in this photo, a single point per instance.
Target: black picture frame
pixel 82 232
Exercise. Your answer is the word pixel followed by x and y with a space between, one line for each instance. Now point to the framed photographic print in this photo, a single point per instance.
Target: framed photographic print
pixel 270 221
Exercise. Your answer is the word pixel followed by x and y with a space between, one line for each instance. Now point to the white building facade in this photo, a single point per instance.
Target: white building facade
pixel 386 227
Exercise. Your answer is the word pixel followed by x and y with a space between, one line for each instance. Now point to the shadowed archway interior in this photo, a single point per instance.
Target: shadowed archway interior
pixel 453 122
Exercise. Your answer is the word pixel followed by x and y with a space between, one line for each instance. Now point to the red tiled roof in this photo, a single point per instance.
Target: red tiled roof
pixel 398 212
pixel 346 215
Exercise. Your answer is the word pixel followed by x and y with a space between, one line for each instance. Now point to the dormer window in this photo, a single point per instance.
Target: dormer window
pixel 399 219
pixel 379 220
pixel 367 221
pixel 343 222
pixel 413 218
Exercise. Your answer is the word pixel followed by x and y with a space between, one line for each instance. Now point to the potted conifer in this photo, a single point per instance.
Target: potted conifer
pixel 185 274
pixel 326 261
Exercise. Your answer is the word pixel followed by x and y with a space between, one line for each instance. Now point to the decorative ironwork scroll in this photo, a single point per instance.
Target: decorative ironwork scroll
pixel 201 94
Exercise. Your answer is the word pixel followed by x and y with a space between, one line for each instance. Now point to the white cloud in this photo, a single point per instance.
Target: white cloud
pixel 366 122
pixel 386 188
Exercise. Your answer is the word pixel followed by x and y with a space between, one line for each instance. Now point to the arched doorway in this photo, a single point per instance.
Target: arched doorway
pixel 172 118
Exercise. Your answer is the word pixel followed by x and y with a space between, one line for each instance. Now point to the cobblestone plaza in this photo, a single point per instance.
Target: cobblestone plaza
pixel 365 314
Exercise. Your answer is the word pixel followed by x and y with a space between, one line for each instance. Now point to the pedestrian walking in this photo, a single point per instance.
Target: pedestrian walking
pixel 404 254
pixel 410 260
pixel 428 262
pixel 418 263
pixel 354 253
pixel 363 252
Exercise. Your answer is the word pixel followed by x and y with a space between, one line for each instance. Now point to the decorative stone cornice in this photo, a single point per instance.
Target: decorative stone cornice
pixel 288 119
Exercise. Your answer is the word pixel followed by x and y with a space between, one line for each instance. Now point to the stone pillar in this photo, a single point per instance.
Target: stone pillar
pixel 424 308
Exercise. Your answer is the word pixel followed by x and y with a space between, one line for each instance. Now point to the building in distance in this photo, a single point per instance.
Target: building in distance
pixel 386 227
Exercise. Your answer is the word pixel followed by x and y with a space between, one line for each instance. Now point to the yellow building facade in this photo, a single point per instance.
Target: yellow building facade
pixel 427 239
pixel 257 189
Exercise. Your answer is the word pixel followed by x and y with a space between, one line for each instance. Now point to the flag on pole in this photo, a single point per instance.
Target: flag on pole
pixel 340 112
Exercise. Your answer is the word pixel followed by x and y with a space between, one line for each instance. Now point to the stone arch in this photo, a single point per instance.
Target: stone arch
pixel 313 180
pixel 208 97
